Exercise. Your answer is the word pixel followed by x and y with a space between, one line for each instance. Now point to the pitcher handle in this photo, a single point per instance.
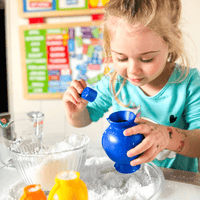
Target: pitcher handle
pixel 53 191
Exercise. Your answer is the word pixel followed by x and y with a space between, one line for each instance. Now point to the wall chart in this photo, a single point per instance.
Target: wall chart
pixel 55 54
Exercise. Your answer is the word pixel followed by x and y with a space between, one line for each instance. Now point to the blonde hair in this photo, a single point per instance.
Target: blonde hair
pixel 160 16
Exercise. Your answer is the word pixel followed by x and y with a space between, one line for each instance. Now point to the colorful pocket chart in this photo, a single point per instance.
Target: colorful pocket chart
pixel 55 54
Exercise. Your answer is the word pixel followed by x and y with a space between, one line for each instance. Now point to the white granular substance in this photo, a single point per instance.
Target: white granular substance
pixel 31 146
pixel 73 141
pixel 50 160
pixel 67 175
pixel 14 192
pixel 34 189
pixel 105 183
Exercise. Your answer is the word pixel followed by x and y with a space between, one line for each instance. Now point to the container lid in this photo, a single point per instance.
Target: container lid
pixel 89 94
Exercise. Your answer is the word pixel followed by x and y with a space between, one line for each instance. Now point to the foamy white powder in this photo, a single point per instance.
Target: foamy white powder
pixel 50 160
pixel 105 183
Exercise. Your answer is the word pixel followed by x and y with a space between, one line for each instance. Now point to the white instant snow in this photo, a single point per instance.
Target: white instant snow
pixel 34 189
pixel 30 146
pixel 67 175
pixel 44 164
pixel 105 183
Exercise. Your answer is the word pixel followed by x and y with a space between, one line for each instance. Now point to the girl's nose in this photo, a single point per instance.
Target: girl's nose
pixel 134 68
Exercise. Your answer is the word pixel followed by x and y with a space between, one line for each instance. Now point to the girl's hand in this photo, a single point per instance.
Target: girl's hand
pixel 73 103
pixel 156 140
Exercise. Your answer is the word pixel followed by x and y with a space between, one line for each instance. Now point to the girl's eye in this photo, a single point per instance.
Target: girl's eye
pixel 147 61
pixel 122 60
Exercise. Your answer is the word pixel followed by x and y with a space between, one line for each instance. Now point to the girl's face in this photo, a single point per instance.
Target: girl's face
pixel 138 55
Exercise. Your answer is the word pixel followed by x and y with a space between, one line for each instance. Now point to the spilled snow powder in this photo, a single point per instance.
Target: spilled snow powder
pixel 104 182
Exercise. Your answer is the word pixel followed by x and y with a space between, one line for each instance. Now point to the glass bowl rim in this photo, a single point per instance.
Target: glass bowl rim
pixel 161 179
pixel 15 152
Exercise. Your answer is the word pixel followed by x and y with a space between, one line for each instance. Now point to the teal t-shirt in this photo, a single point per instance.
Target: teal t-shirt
pixel 176 104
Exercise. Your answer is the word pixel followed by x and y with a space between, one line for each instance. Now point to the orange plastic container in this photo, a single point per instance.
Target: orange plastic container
pixel 33 192
pixel 68 186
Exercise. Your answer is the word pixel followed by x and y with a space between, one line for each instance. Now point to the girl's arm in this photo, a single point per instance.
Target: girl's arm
pixel 184 142
pixel 160 137
pixel 79 119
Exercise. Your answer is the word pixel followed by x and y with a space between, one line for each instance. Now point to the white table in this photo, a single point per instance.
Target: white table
pixel 179 185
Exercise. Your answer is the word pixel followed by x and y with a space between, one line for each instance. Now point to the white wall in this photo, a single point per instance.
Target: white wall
pixel 53 109
pixel 191 30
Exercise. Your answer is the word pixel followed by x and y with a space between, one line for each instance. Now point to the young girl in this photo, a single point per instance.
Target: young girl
pixel 145 42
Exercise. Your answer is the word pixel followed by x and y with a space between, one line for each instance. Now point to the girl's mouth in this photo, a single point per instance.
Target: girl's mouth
pixel 136 80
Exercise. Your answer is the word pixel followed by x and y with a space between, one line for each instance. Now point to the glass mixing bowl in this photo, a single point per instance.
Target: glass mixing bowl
pixel 105 183
pixel 57 154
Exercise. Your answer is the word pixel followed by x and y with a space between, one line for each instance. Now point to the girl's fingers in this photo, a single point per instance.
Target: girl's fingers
pixel 140 128
pixel 153 156
pixel 72 92
pixel 79 85
pixel 148 156
pixel 140 148
pixel 68 97
pixel 140 121
pixel 83 83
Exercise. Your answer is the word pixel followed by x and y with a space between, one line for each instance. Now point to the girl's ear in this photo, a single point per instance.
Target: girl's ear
pixel 169 58
pixel 170 52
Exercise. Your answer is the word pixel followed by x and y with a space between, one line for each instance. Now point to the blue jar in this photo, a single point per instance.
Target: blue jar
pixel 116 144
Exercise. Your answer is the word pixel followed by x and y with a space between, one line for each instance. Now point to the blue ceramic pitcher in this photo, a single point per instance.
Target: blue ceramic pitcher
pixel 116 144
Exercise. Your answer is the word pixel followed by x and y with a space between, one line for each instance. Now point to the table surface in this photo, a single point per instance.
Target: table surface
pixel 178 185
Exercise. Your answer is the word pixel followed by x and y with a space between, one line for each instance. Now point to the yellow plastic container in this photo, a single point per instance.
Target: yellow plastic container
pixel 33 192
pixel 68 186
